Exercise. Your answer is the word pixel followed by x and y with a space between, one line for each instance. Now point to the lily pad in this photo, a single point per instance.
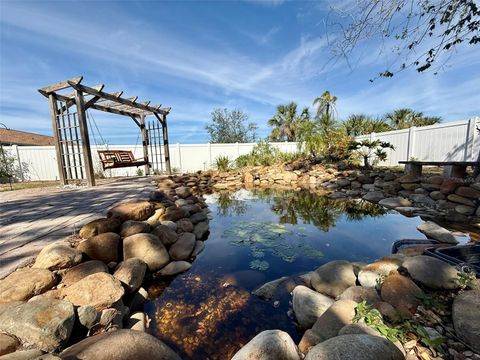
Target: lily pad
pixel 261 265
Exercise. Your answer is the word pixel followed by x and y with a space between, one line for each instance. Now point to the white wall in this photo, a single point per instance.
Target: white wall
pixel 454 141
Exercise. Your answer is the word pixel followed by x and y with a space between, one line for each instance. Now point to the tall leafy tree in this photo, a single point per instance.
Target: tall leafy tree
pixel 405 118
pixel 230 126
pixel 285 122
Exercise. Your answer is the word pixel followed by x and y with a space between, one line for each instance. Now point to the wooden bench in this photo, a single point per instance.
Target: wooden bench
pixel 112 159
pixel 455 169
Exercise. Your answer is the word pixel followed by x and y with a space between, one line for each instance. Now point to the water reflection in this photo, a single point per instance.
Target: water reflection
pixel 258 236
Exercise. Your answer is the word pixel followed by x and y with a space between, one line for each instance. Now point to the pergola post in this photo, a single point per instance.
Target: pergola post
pixel 87 155
pixel 145 143
pixel 165 144
pixel 58 146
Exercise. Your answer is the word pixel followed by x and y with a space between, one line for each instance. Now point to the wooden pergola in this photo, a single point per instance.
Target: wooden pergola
pixel 70 129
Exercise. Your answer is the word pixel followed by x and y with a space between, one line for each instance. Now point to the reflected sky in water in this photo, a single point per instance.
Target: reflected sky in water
pixel 255 237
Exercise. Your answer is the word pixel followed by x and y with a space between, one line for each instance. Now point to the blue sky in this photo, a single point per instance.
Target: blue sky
pixel 195 56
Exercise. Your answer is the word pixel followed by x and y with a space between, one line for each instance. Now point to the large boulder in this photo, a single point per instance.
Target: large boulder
pixel 174 268
pixel 432 272
pixel 198 217
pixel 373 196
pixel 173 214
pixel 469 192
pixel 131 273
pixel 183 247
pixel 83 270
pixel 355 347
pixel 268 290
pixel 42 321
pixel 166 234
pixel 360 293
pixel 338 315
pixel 333 278
pixel 148 248
pixel 138 210
pixel 200 229
pixel 395 202
pixel 8 344
pixel 309 305
pixel 434 231
pixel 269 345
pixel 57 256
pixel 99 226
pixel 120 345
pixel 402 293
pixel 24 283
pixel 466 318
pixel 183 191
pixel 184 225
pixel 103 247
pixel 132 227
pixel 100 290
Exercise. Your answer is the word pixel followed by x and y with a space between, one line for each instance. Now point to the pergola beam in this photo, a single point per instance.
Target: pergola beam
pixel 105 95
pixel 45 91
pixel 113 110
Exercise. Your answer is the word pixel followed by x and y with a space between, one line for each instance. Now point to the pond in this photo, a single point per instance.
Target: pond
pixel 258 236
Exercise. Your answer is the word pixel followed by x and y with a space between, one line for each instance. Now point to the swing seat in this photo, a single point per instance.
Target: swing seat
pixel 113 159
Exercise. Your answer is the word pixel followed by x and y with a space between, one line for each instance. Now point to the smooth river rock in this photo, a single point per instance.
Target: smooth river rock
pixel 42 321
pixel 99 226
pixel 174 268
pixel 268 290
pixel 355 347
pixel 131 273
pixel 183 247
pixel 395 202
pixel 434 231
pixel 338 315
pixel 466 318
pixel 8 344
pixel 269 345
pixel 138 210
pixel 24 283
pixel 103 247
pixel 360 293
pixel 309 305
pixel 57 256
pixel 100 290
pixel 402 293
pixel 434 273
pixel 120 345
pixel 333 278
pixel 167 234
pixel 148 248
pixel 82 270
pixel 132 227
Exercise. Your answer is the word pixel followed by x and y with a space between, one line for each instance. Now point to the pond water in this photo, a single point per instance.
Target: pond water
pixel 258 236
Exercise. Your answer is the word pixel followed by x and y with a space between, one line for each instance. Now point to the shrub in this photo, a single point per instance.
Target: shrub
pixel 264 154
pixel 222 163
pixel 139 172
pixel 372 152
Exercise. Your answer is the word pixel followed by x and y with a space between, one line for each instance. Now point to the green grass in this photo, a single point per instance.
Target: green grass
pixel 28 185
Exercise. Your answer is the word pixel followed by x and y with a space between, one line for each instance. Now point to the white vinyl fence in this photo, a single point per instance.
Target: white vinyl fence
pixel 453 141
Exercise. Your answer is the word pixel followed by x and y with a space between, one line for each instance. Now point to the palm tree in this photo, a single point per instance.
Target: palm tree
pixel 285 122
pixel 405 118
pixel 326 104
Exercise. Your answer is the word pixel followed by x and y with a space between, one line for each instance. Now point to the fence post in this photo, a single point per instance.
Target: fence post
pixel 17 153
pixel 179 158
pixel 411 142
pixel 470 140
pixel 210 154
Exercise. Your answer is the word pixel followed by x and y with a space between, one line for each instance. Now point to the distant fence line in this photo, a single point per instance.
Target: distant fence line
pixel 453 141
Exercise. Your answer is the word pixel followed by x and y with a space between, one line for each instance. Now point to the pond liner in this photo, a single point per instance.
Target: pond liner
pixel 397 245
pixel 465 257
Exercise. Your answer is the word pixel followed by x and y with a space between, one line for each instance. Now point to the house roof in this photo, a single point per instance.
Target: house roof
pixel 14 137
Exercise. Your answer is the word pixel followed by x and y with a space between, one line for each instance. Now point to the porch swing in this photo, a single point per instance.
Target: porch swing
pixel 114 159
